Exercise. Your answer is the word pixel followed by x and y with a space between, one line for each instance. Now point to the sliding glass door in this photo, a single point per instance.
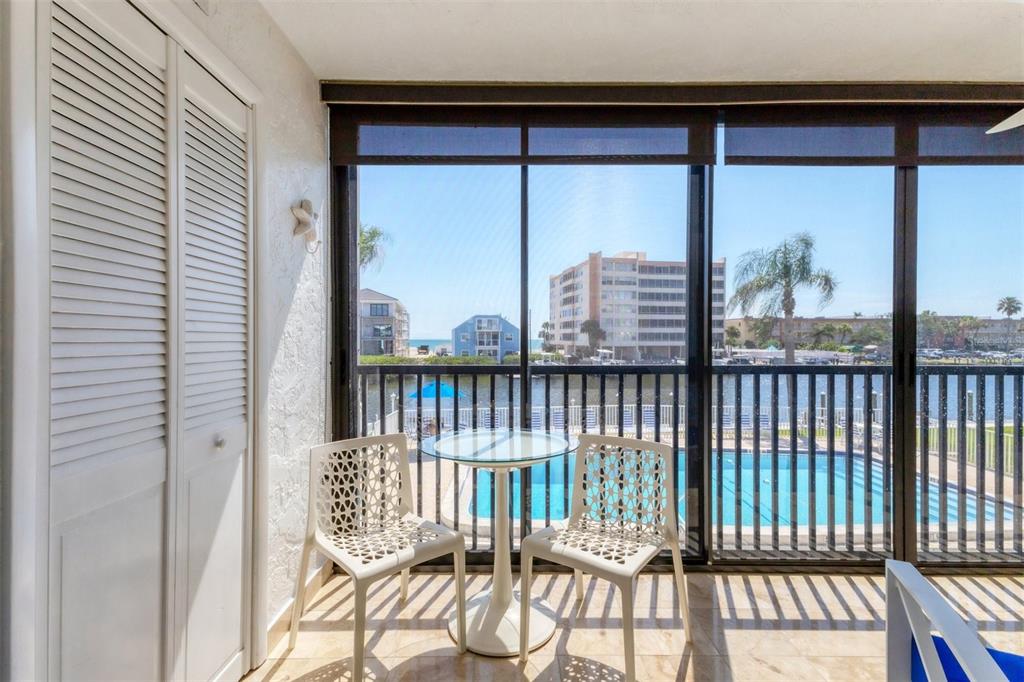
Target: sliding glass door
pixel 802 450
pixel 970 356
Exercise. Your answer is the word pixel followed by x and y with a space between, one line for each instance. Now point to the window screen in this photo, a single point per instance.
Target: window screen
pixel 620 141
pixel 423 140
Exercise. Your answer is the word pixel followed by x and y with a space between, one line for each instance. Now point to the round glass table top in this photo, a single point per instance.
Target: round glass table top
pixel 498 448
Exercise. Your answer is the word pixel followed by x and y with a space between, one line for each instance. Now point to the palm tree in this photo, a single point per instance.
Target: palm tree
pixel 1009 306
pixel 845 331
pixel 732 336
pixel 371 244
pixel 968 326
pixel 822 332
pixel 763 329
pixel 770 278
pixel 546 334
pixel 594 334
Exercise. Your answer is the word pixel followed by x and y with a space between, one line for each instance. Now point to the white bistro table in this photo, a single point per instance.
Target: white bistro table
pixel 492 617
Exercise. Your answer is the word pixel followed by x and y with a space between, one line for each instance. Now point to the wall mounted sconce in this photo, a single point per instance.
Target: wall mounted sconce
pixel 307 224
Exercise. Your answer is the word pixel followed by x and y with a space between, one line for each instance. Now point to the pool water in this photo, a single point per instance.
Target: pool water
pixel 556 490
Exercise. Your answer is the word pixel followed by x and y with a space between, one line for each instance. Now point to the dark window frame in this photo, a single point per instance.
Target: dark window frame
pixel 699 188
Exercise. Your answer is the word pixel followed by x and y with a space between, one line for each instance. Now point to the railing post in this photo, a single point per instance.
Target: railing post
pixel 525 385
pixel 698 362
pixel 904 352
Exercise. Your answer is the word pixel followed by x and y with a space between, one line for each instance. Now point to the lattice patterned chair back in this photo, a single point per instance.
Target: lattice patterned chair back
pixel 623 513
pixel 621 486
pixel 360 515
pixel 359 485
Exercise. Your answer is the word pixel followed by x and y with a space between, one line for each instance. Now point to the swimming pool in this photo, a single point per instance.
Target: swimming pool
pixel 556 489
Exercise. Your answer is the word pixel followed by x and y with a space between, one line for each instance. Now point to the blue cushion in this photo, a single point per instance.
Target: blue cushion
pixel 1012 665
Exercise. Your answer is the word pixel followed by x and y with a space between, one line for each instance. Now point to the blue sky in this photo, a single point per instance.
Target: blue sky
pixel 454 231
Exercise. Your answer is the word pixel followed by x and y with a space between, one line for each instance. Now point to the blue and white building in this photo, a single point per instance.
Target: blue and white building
pixel 488 335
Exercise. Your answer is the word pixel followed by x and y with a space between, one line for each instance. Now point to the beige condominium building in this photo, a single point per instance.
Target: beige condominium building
pixel 383 324
pixel 640 305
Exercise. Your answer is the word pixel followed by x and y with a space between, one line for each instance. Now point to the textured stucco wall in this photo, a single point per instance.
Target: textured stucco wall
pixel 291 164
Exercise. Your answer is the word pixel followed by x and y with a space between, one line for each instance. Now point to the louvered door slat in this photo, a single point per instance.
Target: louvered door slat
pixel 225 145
pixel 216 271
pixel 61 290
pixel 215 241
pixel 81 88
pixel 71 49
pixel 99 51
pixel 105 214
pixel 70 255
pixel 105 236
pixel 98 280
pixel 206 173
pixel 203 164
pixel 75 372
pixel 93 175
pixel 109 167
pixel 108 246
pixel 221 194
pixel 112 389
pixel 91 412
pixel 198 215
pixel 213 172
pixel 83 114
pixel 233 140
pixel 108 154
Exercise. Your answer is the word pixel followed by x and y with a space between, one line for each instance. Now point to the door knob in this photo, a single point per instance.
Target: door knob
pixel 219 442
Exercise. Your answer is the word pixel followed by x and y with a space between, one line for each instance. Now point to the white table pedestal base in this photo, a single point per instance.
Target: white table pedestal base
pixel 492 629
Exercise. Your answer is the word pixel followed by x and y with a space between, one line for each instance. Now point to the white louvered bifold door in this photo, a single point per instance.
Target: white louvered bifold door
pixel 214 215
pixel 109 412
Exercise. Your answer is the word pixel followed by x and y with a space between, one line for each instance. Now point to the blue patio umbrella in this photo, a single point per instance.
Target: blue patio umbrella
pixel 430 391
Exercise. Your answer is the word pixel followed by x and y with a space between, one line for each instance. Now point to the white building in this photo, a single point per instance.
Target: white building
pixel 640 304
pixel 383 324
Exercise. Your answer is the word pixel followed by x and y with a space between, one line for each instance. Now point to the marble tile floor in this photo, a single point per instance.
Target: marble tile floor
pixel 746 627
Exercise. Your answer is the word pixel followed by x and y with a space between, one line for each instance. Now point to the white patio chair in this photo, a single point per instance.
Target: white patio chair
pixel 913 610
pixel 360 517
pixel 621 516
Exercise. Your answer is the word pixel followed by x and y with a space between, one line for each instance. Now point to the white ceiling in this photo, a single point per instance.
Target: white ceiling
pixel 648 42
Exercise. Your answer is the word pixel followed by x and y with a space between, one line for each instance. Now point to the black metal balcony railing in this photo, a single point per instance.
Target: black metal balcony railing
pixel 971 455
pixel 801 463
pixel 813 473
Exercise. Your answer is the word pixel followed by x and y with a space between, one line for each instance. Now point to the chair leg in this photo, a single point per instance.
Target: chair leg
pixel 577 578
pixel 525 582
pixel 300 592
pixel 405 584
pixel 360 631
pixel 684 601
pixel 460 596
pixel 626 587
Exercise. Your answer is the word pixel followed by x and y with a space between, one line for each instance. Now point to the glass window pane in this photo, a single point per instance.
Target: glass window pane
pixel 766 142
pixel 809 254
pixel 968 141
pixel 439 271
pixel 607 263
pixel 970 338
pixel 581 141
pixel 413 140
pixel 805 453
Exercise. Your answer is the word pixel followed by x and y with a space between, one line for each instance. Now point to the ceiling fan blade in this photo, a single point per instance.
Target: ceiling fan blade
pixel 1014 121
